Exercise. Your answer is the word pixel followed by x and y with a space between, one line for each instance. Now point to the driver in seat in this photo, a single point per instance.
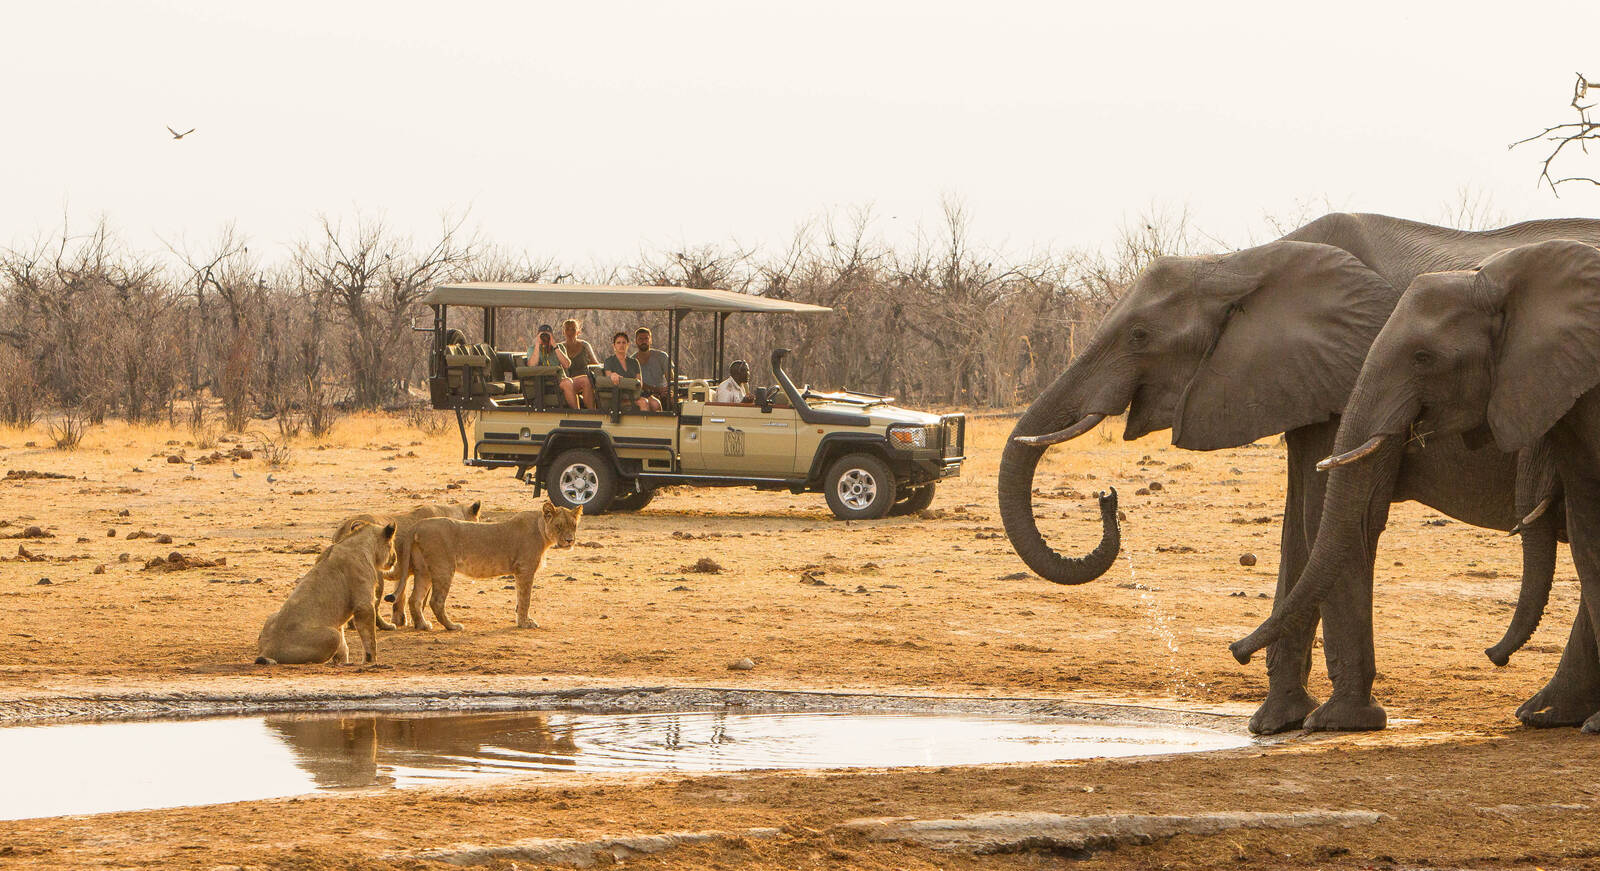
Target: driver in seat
pixel 736 389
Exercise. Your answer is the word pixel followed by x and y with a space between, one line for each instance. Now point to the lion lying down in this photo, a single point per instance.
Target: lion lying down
pixel 441 547
pixel 404 523
pixel 310 625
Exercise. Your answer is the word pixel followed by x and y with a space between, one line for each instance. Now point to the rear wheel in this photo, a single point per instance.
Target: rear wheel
pixel 859 487
pixel 581 478
pixel 916 499
pixel 633 501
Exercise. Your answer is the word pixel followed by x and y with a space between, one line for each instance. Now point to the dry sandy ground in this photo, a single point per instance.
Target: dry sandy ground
pixel 931 605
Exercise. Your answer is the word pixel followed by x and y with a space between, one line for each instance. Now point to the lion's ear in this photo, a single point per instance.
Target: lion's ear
pixel 473 509
pixel 577 512
pixel 388 532
pixel 549 509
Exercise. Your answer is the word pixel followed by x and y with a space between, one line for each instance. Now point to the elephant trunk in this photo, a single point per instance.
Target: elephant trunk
pixel 1096 385
pixel 1017 465
pixel 1538 569
pixel 1538 503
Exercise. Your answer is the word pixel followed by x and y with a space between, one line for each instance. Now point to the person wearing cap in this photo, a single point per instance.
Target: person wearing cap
pixel 736 389
pixel 653 366
pixel 545 352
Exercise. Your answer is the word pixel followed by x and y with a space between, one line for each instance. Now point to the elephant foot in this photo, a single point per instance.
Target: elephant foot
pixel 1282 712
pixel 1345 715
pixel 1549 709
pixel 1592 725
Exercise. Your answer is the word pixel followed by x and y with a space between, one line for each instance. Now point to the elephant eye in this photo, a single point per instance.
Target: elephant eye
pixel 1138 334
pixel 1422 357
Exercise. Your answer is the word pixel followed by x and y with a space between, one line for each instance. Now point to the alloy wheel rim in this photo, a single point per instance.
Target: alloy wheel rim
pixel 857 489
pixel 579 483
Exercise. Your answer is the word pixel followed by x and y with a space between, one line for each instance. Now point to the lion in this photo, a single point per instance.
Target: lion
pixel 309 628
pixel 442 547
pixel 403 524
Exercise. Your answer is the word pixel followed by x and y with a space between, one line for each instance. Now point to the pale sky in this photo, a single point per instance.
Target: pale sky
pixel 591 131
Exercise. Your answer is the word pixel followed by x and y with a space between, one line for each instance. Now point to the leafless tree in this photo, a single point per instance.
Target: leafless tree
pixel 1579 132
pixel 374 279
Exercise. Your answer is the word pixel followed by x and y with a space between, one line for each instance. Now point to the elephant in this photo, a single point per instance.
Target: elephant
pixel 1228 349
pixel 1510 350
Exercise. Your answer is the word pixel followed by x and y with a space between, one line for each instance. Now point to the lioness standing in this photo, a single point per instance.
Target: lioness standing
pixel 441 547
pixel 310 625
pixel 403 525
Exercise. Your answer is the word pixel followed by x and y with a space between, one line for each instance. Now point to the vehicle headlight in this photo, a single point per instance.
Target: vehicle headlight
pixel 908 436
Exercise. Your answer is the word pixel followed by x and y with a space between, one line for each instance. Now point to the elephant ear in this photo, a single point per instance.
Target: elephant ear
pixel 1290 349
pixel 1548 352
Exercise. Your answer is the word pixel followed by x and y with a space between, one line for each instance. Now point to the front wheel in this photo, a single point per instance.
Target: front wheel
pixel 918 499
pixel 859 487
pixel 581 478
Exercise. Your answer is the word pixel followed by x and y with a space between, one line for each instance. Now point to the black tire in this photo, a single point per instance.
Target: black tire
pixel 633 501
pixel 915 499
pixel 581 477
pixel 869 486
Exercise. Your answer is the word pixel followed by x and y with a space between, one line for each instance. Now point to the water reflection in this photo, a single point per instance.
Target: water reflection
pixel 95 768
pixel 351 750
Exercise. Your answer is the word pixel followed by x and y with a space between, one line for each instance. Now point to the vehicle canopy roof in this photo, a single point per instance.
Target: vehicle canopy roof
pixel 609 297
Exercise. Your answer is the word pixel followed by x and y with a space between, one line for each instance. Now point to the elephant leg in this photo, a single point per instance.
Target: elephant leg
pixel 1348 647
pixel 1578 696
pixel 1572 695
pixel 1289 658
pixel 1347 642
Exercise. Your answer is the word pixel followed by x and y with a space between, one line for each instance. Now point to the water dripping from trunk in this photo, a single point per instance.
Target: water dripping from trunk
pixel 1181 682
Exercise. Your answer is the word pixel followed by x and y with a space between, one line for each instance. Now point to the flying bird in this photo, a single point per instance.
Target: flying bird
pixel 177 135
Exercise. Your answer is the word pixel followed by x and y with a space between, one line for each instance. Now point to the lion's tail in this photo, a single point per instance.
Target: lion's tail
pixel 402 567
pixel 262 660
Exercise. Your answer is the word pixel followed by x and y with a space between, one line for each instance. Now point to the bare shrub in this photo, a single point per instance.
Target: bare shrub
pixel 205 438
pixel 274 450
pixel 422 416
pixel 66 432
pixel 290 423
pixel 320 413
pixel 19 391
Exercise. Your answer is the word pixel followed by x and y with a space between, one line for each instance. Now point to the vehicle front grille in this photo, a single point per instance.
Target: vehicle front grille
pixel 954 435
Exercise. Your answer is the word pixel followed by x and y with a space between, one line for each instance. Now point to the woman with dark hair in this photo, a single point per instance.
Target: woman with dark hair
pixel 619 366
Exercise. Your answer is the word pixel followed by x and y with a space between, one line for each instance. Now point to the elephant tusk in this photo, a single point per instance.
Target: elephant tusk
pixel 1537 512
pixel 1349 457
pixel 1064 435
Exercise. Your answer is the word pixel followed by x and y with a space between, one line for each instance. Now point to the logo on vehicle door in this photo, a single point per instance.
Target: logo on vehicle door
pixel 733 443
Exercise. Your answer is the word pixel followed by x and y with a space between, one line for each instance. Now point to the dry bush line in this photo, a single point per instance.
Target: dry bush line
pixel 216 329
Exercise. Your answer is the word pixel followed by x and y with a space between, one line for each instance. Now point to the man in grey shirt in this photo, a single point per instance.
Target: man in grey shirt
pixel 653 366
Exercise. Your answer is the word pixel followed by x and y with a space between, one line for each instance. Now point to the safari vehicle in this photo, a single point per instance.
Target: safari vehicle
pixel 867 456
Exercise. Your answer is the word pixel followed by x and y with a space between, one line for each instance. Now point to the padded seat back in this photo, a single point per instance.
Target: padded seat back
pixel 606 392
pixel 541 385
pixel 465 371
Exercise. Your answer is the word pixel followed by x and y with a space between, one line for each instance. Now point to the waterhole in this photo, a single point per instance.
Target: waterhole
pixel 103 767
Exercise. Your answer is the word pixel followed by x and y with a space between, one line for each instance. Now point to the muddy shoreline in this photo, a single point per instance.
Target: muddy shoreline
pixel 191 704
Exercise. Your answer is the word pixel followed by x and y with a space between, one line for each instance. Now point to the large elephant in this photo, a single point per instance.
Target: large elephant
pixel 1514 345
pixel 1228 349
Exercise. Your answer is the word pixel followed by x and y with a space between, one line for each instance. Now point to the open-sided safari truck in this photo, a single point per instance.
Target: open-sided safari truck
pixel 868 457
